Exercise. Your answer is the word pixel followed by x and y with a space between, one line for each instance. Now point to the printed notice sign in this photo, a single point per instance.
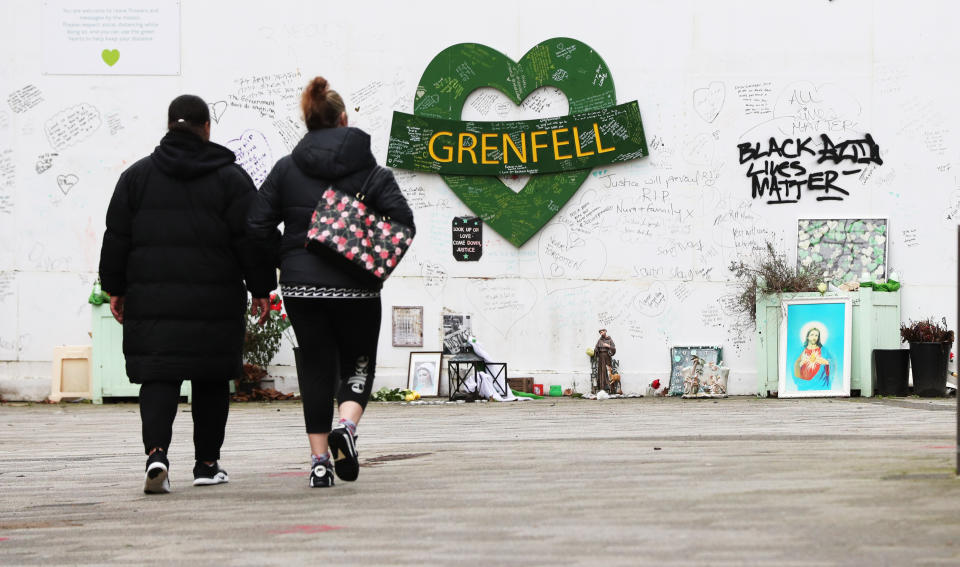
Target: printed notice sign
pixel 467 239
pixel 111 37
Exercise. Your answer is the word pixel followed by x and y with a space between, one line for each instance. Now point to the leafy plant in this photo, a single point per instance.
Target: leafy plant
pixel 261 343
pixel 767 274
pixel 926 331
pixel 395 395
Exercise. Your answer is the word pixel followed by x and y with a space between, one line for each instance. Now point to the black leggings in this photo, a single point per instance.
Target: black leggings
pixel 158 408
pixel 338 344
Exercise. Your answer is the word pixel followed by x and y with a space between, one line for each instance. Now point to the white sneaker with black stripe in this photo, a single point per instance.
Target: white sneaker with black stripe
pixel 208 475
pixel 156 479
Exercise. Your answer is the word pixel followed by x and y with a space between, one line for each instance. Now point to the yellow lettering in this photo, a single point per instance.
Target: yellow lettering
pixel 484 149
pixel 557 143
pixel 521 153
pixel 534 145
pixel 600 149
pixel 470 149
pixel 449 149
pixel 576 144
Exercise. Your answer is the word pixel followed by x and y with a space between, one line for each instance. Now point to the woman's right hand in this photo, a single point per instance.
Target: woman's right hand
pixel 260 306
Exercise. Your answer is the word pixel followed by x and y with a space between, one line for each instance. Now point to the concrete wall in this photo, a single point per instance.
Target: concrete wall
pixel 649 241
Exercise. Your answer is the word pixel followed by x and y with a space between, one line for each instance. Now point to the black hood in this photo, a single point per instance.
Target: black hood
pixel 333 153
pixel 185 156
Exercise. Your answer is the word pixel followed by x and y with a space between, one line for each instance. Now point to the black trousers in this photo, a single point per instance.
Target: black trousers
pixel 338 353
pixel 211 403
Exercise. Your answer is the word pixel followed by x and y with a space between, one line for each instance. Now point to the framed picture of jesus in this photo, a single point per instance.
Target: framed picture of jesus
pixel 815 347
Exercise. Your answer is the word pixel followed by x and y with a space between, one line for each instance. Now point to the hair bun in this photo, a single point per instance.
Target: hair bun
pixel 319 85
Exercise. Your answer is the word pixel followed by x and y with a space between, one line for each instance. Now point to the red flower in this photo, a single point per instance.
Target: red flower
pixel 384 254
pixel 349 255
pixel 283 316
pixel 655 384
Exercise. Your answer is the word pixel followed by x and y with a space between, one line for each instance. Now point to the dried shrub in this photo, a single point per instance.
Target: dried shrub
pixel 926 331
pixel 768 274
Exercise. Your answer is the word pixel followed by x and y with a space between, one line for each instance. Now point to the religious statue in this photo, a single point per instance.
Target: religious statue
pixel 605 375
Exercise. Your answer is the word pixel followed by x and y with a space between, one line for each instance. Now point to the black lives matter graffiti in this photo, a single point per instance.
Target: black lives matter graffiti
pixel 776 173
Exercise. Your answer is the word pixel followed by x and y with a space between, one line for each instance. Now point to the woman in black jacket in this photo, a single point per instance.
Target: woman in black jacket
pixel 334 307
pixel 175 259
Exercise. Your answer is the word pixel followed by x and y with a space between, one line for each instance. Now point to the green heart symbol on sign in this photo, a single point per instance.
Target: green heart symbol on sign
pixel 110 56
pixel 567 64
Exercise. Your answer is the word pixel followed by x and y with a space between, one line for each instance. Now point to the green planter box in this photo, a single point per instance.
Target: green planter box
pixel 876 324
pixel 109 367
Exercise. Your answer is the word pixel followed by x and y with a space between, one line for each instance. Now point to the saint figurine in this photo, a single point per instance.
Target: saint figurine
pixel 604 352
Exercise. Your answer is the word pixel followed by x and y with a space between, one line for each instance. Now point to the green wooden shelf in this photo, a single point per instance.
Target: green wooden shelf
pixel 109 366
pixel 876 324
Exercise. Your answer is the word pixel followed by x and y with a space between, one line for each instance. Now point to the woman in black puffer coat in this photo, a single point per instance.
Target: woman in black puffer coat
pixel 175 259
pixel 334 307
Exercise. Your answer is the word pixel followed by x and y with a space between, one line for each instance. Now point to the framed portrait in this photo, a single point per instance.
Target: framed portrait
pixel 408 326
pixel 815 351
pixel 457 328
pixel 423 373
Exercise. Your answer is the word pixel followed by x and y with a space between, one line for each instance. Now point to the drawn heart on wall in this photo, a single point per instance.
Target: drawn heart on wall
pixel 708 101
pixel 567 261
pixel 502 301
pixel 217 109
pixel 66 182
pixel 652 302
pixel 461 69
pixel 110 56
pixel 434 278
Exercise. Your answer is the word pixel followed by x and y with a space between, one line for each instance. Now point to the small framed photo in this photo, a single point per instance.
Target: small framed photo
pixel 457 328
pixel 408 326
pixel 815 352
pixel 423 373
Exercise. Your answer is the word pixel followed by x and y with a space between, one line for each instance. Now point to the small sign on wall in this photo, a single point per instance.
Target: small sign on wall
pixel 467 239
pixel 111 37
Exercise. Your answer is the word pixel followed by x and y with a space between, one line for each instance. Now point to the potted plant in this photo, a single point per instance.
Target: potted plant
pixel 261 344
pixel 770 274
pixel 930 343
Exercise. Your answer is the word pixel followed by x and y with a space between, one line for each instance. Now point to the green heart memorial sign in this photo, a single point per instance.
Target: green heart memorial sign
pixel 558 153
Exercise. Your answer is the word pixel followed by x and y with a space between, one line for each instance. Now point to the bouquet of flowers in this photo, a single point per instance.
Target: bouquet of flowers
pixel 261 343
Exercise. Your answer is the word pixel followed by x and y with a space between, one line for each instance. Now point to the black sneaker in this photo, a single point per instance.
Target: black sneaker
pixel 156 480
pixel 321 475
pixel 343 447
pixel 208 475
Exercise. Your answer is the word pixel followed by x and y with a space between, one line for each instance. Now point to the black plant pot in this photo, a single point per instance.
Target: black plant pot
pixel 892 369
pixel 929 363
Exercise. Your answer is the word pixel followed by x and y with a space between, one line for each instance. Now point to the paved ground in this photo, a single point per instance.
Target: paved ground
pixel 568 482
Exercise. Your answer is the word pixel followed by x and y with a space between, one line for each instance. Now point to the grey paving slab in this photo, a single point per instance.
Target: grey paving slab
pixel 739 481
